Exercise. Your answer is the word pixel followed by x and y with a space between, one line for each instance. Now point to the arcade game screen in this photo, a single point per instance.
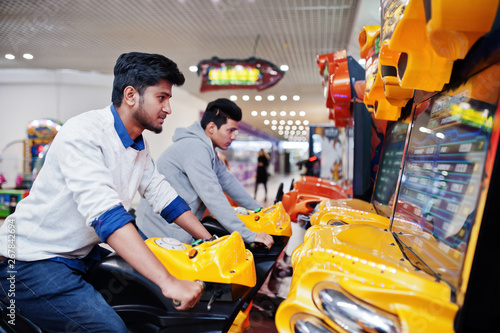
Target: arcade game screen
pixel 446 173
pixel 390 165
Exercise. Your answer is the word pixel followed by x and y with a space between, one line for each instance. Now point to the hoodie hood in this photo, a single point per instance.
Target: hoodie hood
pixel 192 132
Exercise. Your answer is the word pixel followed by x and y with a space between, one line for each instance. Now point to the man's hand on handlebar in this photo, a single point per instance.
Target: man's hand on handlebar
pixel 265 239
pixel 185 294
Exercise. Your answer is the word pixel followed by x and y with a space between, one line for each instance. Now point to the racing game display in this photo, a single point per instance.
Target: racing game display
pixel 446 172
pixel 390 165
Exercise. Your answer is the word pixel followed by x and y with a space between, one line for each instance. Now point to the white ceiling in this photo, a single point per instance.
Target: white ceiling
pixel 90 34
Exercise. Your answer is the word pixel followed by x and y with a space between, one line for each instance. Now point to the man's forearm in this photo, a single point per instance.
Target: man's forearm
pixel 127 242
pixel 129 245
pixel 192 225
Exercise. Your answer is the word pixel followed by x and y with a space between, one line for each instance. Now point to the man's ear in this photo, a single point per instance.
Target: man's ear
pixel 129 95
pixel 211 127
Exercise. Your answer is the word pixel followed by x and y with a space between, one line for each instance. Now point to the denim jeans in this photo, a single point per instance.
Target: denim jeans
pixel 56 298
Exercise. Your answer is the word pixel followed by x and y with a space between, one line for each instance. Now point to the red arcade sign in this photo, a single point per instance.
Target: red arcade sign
pixel 251 73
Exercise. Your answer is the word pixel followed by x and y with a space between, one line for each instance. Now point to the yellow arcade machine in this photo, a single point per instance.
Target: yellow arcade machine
pixel 273 220
pixel 374 95
pixel 379 209
pixel 225 267
pixel 430 35
pixel 449 38
pixel 425 272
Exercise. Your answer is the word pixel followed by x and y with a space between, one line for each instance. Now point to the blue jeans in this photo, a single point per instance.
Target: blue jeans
pixel 56 298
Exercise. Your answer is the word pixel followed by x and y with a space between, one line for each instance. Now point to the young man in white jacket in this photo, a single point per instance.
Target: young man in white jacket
pixel 96 164
pixel 193 168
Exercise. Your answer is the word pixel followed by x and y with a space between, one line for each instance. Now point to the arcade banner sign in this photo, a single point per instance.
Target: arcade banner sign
pixel 250 73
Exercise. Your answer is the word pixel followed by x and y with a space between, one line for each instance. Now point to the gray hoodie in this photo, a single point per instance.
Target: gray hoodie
pixel 194 170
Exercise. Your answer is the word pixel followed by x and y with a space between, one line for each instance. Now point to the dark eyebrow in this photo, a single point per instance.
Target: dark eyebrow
pixel 165 93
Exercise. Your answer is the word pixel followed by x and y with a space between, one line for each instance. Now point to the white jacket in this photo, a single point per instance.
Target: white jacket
pixel 87 172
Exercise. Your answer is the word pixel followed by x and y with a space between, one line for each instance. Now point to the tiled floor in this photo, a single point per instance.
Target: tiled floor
pixel 272 187
pixel 265 304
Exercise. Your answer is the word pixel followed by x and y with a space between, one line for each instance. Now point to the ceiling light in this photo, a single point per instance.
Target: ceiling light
pixel 302 113
pixel 254 113
pixel 294 127
pixel 290 122
pixel 233 97
pixel 296 97
pixel 27 56
pixel 292 113
pixel 266 122
pixel 270 98
pixel 282 122
pixel 245 97
pixel 10 56
pixel 263 113
pixel 273 113
pixel 258 98
pixel 193 69
pixel 306 122
pixel 274 122
pixel 284 68
pixel 283 97
pixel 273 127
pixel 297 122
pixel 283 113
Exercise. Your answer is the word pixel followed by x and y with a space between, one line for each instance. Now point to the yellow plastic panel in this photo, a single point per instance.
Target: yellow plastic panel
pixel 374 97
pixel 388 64
pixel 366 38
pixel 348 203
pixel 242 321
pixel 346 215
pixel 419 66
pixel 364 262
pixel 224 260
pixel 272 220
pixel 453 26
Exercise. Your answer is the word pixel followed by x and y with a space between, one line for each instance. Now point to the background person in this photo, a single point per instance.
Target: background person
pixel 262 174
pixel 95 165
pixel 193 168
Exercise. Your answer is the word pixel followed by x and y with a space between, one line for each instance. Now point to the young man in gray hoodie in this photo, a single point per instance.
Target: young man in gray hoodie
pixel 194 170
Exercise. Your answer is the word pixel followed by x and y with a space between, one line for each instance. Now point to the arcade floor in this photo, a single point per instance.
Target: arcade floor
pixel 276 289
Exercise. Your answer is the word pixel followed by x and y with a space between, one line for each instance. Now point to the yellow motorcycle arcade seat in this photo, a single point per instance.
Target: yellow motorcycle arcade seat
pixel 272 220
pixel 224 265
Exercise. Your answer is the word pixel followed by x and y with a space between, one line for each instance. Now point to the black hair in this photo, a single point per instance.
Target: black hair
pixel 218 111
pixel 141 70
